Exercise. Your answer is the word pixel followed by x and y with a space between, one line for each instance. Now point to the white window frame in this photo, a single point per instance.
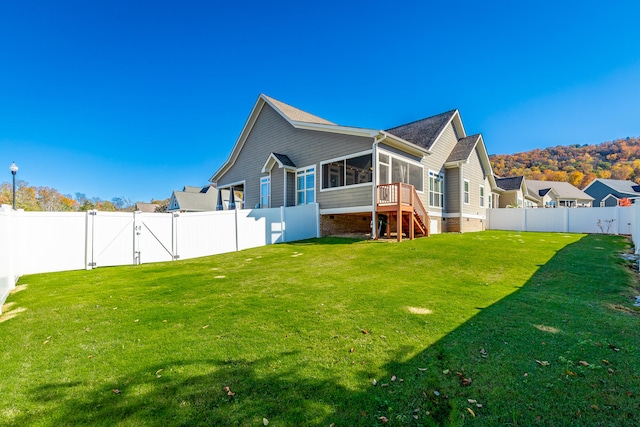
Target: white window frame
pixel 337 159
pixel 305 171
pixel 265 180
pixel 404 159
pixel 466 187
pixel 439 177
pixel 482 196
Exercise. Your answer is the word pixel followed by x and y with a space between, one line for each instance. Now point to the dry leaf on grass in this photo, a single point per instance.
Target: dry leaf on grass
pixel 542 362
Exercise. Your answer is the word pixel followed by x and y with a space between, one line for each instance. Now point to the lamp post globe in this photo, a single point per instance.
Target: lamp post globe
pixel 14 169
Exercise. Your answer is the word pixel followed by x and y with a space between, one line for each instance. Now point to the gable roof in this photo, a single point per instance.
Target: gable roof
pixel 619 185
pixel 424 132
pixel 463 148
pixel 294 114
pixel 564 190
pixel 302 120
pixel 510 183
pixel 146 207
pixel 281 159
pixel 195 201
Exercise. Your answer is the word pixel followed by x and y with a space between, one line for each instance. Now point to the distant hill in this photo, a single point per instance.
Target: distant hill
pixel 577 164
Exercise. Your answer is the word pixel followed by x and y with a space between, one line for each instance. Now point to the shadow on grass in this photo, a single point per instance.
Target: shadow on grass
pixel 522 355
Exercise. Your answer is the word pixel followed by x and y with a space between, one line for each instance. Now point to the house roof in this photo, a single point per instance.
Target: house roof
pixel 564 190
pixel 463 148
pixel 510 183
pixel 619 185
pixel 196 201
pixel 146 207
pixel 424 132
pixel 284 160
pixel 295 114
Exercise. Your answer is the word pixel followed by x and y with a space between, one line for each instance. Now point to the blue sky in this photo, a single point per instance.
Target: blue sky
pixel 137 98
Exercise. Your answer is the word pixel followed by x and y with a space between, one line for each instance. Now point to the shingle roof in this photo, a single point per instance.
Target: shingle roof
pixel 423 132
pixel 196 202
pixel 463 148
pixel 295 114
pixel 564 190
pixel 146 207
pixel 284 159
pixel 511 183
pixel 619 185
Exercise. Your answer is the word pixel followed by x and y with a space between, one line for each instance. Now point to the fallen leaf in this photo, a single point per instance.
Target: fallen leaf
pixel 595 407
pixel 90 356
pixel 446 372
pixel 464 381
pixel 364 331
pixel 205 326
pixel 472 401
pixel 606 362
pixel 611 371
pixel 265 421
pixel 136 321
pixel 573 374
pixel 384 419
pixel 45 342
pixel 384 385
pixel 164 321
pixel 401 380
pixel 436 392
pixel 383 337
pixel 415 411
pixel 116 391
pixel 375 383
pixel 479 405
pixel 415 417
pixel 393 378
pixel 583 363
pixel 471 412
pixel 542 362
pixel 613 347
pixel 351 350
pixel 630 394
pixel 422 369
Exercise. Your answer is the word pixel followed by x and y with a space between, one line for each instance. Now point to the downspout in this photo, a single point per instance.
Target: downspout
pixel 374 163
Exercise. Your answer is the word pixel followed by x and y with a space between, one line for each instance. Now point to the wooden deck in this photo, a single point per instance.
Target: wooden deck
pixel 402 201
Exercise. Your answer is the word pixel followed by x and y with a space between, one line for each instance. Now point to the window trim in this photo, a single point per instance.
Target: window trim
pixel 466 190
pixel 336 159
pixel 392 156
pixel 266 179
pixel 305 170
pixel 441 176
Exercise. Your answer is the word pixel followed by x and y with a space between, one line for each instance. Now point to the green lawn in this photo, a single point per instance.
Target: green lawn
pixel 541 324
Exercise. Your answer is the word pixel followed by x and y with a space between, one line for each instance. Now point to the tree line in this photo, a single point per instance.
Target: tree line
pixel 47 199
pixel 576 164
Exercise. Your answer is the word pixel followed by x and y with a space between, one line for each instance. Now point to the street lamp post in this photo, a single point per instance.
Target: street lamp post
pixel 14 169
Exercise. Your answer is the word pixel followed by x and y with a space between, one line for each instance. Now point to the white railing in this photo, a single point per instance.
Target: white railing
pixel 43 242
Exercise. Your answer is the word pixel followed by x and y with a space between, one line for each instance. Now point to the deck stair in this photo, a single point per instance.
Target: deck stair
pixel 401 200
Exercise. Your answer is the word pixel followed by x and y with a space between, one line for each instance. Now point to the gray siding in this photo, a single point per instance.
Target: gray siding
pixel 277 187
pixel 452 190
pixel 474 173
pixel 435 162
pixel 272 133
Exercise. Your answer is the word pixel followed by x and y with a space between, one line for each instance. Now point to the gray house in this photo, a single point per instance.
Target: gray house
pixel 425 177
pixel 552 194
pixel 608 192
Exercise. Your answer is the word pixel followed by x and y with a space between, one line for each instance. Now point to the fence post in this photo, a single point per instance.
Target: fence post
pixel 174 235
pixel 236 228
pixel 523 227
pixel 566 220
pixel 88 240
pixel 617 221
pixel 283 223
pixel 317 220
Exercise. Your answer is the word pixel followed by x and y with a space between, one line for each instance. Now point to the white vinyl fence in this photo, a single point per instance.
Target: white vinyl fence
pixel 43 242
pixel 602 220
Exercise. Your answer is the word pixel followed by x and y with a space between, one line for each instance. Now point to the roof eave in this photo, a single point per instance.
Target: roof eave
pixel 402 144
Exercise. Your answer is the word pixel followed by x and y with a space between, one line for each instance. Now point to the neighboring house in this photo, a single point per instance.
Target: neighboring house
pixel 201 199
pixel 552 194
pixel 146 207
pixel 285 157
pixel 608 192
pixel 514 193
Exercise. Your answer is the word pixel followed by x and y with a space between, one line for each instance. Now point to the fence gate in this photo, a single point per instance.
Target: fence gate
pixel 155 237
pixel 110 239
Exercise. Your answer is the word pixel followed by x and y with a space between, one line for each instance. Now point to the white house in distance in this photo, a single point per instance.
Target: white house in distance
pixel 556 194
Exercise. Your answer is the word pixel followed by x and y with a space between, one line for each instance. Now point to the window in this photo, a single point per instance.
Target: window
pixel 490 199
pixel 393 169
pixel 482 196
pixel 348 171
pixel 305 186
pixel 466 191
pixel 265 192
pixel 436 186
